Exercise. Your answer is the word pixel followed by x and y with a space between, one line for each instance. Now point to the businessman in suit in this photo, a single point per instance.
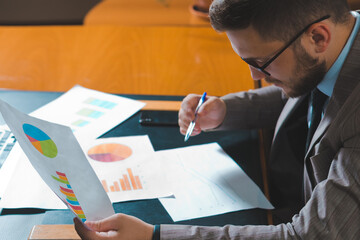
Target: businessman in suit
pixel 310 51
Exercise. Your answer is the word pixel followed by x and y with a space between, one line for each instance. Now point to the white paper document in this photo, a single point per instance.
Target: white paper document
pixel 58 158
pixel 87 112
pixel 26 189
pixel 206 181
pixel 9 168
pixel 127 168
pixel 7 143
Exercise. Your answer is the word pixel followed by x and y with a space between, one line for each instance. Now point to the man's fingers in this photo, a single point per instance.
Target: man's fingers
pixel 188 106
pixel 105 225
pixel 82 230
pixel 182 131
pixel 195 132
pixel 187 113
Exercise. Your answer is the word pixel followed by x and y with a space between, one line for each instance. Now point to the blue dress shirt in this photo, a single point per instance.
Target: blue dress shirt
pixel 326 86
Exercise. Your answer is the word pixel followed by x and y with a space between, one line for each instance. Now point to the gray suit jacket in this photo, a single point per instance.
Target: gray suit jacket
pixel 331 167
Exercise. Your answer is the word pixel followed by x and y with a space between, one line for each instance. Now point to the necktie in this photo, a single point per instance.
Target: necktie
pixel 315 110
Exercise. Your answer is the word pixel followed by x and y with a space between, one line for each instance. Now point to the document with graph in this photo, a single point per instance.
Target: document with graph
pixel 87 112
pixel 58 158
pixel 128 168
pixel 206 181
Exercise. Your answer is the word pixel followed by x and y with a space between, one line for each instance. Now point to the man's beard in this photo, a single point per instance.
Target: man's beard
pixel 314 70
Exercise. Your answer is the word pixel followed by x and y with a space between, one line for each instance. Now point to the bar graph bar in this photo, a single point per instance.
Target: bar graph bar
pixel 128 182
pixel 138 182
pixel 80 123
pixel 132 178
pixel 122 183
pixel 100 103
pixel 70 197
pixel 105 186
pixel 86 112
pixel 117 188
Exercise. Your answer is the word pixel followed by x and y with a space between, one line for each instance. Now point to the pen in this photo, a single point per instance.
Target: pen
pixel 192 124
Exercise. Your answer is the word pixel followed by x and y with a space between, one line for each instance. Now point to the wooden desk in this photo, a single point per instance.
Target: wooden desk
pixel 64 232
pixel 144 12
pixel 121 59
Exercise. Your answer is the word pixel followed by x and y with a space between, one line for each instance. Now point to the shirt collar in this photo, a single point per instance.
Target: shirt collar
pixel 327 84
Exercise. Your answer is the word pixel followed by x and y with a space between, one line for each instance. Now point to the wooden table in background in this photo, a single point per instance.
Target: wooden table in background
pixel 121 59
pixel 144 12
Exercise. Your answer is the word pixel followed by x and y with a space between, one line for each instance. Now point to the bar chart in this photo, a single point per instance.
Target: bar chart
pixel 92 113
pixel 128 182
pixel 70 199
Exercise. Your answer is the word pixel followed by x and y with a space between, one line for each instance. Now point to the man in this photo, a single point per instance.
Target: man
pixel 310 51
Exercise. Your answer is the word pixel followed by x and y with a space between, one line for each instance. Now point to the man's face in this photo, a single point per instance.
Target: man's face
pixel 295 71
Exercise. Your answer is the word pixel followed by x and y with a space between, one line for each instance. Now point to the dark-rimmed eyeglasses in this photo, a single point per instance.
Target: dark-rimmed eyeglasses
pixel 255 65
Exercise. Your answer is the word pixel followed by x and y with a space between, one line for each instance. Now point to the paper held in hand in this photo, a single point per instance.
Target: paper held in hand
pixel 58 158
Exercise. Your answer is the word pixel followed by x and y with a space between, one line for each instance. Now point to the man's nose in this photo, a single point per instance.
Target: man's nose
pixel 256 74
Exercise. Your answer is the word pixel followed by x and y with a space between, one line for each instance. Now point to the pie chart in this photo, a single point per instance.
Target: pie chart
pixel 109 152
pixel 40 140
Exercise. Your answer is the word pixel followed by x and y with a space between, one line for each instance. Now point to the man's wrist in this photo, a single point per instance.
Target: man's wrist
pixel 156 233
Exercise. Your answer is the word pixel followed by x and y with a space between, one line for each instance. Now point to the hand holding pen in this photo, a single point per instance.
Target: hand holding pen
pixel 192 124
pixel 209 115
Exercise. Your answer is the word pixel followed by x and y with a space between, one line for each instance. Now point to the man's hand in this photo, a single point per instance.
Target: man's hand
pixel 118 226
pixel 210 115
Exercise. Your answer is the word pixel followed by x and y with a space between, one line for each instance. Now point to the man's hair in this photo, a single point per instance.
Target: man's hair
pixel 274 19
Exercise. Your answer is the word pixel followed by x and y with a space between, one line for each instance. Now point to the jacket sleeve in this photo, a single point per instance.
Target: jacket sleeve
pixel 259 108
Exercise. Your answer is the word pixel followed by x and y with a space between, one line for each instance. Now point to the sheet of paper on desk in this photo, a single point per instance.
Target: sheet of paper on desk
pixel 7 143
pixel 26 189
pixel 87 112
pixel 127 168
pixel 113 159
pixel 206 181
pixel 9 167
pixel 58 158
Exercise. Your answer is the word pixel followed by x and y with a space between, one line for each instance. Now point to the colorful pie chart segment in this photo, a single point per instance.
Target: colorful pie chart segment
pixel 40 140
pixel 109 152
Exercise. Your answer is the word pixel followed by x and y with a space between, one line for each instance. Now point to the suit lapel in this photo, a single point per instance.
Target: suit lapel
pixel 345 84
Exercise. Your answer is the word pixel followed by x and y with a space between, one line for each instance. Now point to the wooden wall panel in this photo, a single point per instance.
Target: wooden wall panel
pixel 119 59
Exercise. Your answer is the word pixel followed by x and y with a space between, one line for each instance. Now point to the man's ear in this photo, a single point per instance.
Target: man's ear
pixel 319 37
